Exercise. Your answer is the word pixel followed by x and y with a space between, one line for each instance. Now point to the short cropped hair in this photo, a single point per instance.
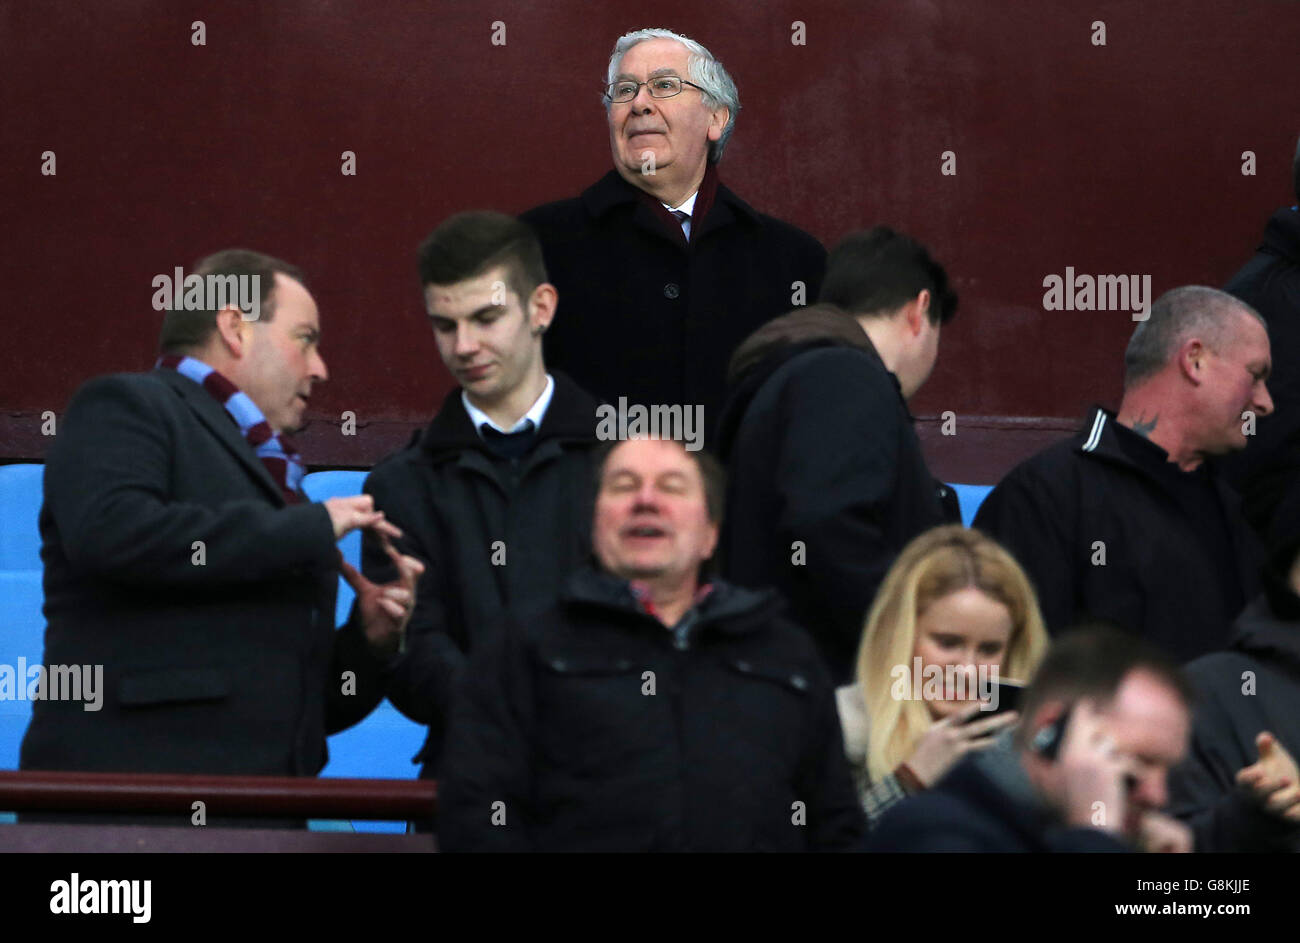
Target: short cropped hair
pixel 185 331
pixel 702 68
pixel 468 244
pixel 875 272
pixel 1175 317
pixel 1092 661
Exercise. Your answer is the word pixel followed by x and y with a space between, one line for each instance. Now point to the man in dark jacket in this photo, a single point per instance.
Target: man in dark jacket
pixel 1125 521
pixel 661 269
pixel 828 481
pixel 1240 787
pixel 645 711
pixel 182 558
pixel 495 494
pixel 1105 719
pixel 1270 282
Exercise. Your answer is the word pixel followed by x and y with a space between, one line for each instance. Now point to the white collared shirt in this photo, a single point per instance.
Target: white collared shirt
pixel 534 414
pixel 687 207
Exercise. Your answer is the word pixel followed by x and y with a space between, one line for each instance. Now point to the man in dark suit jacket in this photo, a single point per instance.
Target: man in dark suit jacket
pixel 181 556
pixel 662 271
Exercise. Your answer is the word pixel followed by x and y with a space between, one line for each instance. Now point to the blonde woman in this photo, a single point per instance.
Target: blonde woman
pixel 955 612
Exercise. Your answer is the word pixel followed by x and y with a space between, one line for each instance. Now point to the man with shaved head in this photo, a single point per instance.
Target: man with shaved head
pixel 1126 521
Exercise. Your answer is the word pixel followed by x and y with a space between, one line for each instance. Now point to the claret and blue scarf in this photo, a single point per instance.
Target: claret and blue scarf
pixel 274 449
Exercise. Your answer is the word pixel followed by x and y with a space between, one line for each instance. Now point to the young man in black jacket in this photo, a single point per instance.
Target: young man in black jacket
pixel 828 481
pixel 649 711
pixel 495 494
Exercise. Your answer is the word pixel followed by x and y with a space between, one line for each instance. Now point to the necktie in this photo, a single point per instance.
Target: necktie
pixel 685 220
pixel 509 444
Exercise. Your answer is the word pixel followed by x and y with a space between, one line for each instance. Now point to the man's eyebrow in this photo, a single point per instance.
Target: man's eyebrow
pixel 624 76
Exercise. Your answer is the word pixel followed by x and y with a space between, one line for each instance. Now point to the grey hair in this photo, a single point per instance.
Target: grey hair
pixel 1176 316
pixel 702 68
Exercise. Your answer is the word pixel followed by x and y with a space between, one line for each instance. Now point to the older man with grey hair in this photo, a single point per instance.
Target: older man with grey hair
pixel 661 269
pixel 1126 521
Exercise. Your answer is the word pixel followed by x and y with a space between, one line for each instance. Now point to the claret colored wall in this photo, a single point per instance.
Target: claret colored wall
pixel 1122 158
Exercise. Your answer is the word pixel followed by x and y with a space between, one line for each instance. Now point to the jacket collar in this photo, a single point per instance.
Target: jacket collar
pixel 571 417
pixel 222 425
pixel 729 608
pixel 1099 439
pixel 1269 628
pixel 612 193
pixel 752 380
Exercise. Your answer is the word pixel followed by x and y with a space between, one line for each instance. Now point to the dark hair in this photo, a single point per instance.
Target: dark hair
pixel 1092 661
pixel 877 271
pixel 711 471
pixel 185 331
pixel 468 244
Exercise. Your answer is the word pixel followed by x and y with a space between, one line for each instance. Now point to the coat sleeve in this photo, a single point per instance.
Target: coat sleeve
pixel 835 818
pixel 836 474
pixel 485 794
pixel 1203 791
pixel 1022 515
pixel 108 491
pixel 426 673
pixel 357 679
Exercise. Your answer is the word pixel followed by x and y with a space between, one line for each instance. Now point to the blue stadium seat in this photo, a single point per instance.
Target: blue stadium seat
pixel 970 497
pixel 22 636
pixel 339 484
pixel 20 505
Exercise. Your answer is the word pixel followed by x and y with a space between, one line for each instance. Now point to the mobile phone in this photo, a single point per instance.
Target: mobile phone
pixel 1047 742
pixel 1008 697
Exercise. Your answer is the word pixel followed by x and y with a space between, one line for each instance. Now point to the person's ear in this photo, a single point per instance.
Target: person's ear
pixel 1191 359
pixel 917 313
pixel 541 308
pixel 718 122
pixel 234 331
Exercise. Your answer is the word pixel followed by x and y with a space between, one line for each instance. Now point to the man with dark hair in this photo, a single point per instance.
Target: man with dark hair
pixel 494 495
pixel 181 555
pixel 187 328
pixel 647 711
pixel 828 481
pixel 1124 521
pixel 1266 474
pixel 663 270
pixel 1105 719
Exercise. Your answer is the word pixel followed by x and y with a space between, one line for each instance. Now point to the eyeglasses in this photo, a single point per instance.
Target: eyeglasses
pixel 662 86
